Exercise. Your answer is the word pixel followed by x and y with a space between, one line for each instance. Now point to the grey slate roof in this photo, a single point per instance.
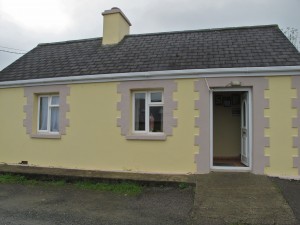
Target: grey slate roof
pixel 258 46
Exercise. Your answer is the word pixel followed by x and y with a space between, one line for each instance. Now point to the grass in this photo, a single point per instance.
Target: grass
pixel 126 188
pixel 18 179
pixel 183 186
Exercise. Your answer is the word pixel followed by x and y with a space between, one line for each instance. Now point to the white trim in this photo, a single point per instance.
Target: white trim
pixel 148 104
pixel 163 75
pixel 229 168
pixel 211 131
pixel 250 112
pixel 50 105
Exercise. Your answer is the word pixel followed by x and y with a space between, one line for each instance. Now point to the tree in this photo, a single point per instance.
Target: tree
pixel 292 34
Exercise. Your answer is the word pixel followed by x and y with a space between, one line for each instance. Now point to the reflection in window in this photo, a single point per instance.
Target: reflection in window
pixel 139 104
pixel 43 119
pixel 156 119
pixel 148 106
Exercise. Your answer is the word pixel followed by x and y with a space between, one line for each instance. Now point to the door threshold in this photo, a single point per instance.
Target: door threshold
pixel 230 168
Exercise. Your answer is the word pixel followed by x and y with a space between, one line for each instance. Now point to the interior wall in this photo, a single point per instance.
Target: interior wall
pixel 226 124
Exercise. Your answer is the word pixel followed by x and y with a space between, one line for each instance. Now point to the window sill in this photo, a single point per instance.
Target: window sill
pixel 46 136
pixel 151 137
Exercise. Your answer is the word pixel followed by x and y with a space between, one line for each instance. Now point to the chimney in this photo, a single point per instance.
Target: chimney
pixel 115 26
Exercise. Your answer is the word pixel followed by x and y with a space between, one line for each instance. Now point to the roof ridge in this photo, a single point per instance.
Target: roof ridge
pixel 205 30
pixel 161 33
pixel 70 41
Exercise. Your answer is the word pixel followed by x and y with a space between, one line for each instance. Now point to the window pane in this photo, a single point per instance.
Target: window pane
pixel 156 119
pixel 156 96
pixel 54 119
pixel 55 100
pixel 43 113
pixel 244 114
pixel 139 107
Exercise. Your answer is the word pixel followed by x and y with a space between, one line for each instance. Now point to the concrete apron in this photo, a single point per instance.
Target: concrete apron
pixel 239 198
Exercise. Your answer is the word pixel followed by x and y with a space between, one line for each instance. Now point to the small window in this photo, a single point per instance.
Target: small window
pixel 48 114
pixel 148 112
pixel 244 114
pixel 156 96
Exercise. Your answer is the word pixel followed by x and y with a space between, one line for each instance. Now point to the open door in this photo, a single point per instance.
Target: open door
pixel 245 129
pixel 231 129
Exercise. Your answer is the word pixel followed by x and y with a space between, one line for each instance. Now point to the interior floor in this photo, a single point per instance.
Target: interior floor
pixel 228 162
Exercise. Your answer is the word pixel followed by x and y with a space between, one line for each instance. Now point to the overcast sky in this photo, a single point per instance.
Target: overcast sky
pixel 25 23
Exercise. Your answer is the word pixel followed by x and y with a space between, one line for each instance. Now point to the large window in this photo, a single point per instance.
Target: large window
pixel 148 111
pixel 48 114
pixel 140 99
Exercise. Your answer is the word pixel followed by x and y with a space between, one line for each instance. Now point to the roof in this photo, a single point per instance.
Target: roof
pixel 257 46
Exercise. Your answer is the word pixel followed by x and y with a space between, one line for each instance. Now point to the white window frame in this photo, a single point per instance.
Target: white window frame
pixel 49 113
pixel 148 104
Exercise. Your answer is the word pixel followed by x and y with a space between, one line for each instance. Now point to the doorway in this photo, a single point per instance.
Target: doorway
pixel 231 129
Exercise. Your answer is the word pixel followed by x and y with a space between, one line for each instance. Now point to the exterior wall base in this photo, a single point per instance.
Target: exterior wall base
pixel 150 177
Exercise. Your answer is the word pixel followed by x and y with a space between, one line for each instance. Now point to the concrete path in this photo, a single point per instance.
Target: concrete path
pixel 239 198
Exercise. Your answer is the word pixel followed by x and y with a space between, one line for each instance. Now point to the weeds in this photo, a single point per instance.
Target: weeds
pixel 18 179
pixel 121 188
pixel 126 188
pixel 183 185
pixel 12 179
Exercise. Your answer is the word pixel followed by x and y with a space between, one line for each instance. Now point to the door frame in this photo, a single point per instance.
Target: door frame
pixel 211 115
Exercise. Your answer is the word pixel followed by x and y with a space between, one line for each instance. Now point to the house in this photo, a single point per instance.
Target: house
pixel 160 103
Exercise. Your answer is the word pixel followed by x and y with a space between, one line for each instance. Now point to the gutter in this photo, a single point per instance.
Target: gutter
pixel 159 75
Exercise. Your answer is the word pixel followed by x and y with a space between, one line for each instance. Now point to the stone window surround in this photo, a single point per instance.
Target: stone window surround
pixel 296 121
pixel 260 103
pixel 31 93
pixel 125 107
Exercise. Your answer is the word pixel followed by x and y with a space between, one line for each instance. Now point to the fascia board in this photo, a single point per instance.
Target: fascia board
pixel 157 75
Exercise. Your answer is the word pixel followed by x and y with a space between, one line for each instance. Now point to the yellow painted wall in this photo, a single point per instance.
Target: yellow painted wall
pixel 281 133
pixel 12 132
pixel 93 141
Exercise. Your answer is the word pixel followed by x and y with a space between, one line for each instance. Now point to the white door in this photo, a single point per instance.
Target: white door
pixel 245 129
